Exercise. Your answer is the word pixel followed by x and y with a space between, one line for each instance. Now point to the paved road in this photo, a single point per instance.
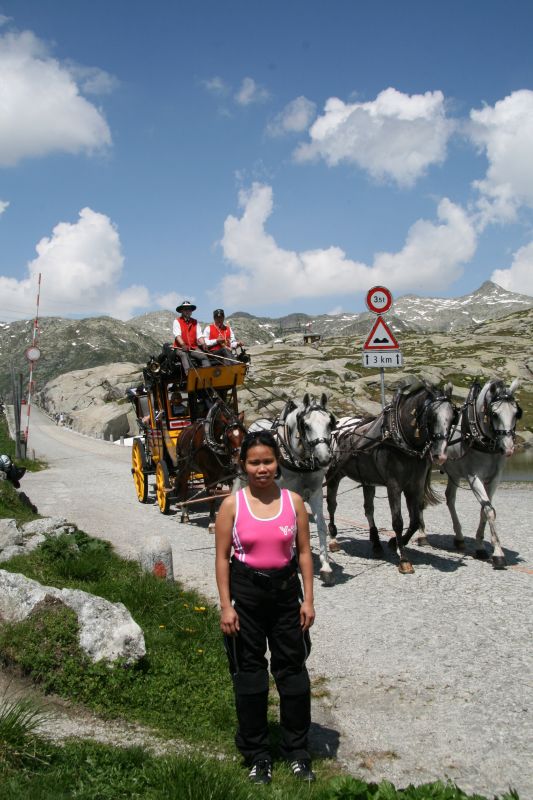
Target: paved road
pixel 428 676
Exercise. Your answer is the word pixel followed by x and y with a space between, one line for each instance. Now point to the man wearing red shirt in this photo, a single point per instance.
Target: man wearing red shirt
pixel 219 338
pixel 188 338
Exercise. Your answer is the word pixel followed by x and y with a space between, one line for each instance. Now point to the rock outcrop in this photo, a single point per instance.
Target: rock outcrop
pixel 93 400
pixel 107 631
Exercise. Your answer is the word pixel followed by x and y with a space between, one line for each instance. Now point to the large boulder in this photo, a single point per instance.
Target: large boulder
pixel 93 400
pixel 107 630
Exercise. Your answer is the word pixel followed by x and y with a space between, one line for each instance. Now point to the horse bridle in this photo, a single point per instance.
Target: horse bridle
pixel 307 464
pixel 431 406
pixel 301 428
pixel 503 396
pixel 217 446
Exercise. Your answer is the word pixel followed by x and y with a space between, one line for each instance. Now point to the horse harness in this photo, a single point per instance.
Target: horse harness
pixel 471 429
pixel 393 430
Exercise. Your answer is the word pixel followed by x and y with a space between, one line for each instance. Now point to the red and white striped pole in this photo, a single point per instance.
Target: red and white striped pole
pixel 32 361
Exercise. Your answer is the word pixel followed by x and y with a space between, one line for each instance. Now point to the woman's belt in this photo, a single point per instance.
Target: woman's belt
pixel 266 578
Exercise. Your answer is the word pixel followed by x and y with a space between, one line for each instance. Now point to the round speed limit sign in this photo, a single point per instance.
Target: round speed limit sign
pixel 378 299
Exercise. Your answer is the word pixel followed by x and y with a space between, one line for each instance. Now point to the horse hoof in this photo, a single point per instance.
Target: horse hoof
pixel 422 541
pixel 327 577
pixel 377 550
pixel 211 529
pixel 498 562
pixel 459 544
pixel 482 555
pixel 406 568
pixel 332 529
pixel 334 546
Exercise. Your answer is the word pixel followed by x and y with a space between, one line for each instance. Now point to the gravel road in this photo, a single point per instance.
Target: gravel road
pixel 427 676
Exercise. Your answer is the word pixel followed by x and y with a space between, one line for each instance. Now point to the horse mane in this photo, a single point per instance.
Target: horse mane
pixel 289 406
pixel 409 385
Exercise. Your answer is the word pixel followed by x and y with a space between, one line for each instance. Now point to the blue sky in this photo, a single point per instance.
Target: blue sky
pixel 267 157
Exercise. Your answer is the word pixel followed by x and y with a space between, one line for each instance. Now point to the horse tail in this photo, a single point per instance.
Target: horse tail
pixel 431 498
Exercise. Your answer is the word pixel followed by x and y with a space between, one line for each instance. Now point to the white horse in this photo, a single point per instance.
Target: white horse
pixel 303 433
pixel 481 442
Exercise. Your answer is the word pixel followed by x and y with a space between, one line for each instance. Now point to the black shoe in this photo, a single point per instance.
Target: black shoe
pixel 261 771
pixel 302 770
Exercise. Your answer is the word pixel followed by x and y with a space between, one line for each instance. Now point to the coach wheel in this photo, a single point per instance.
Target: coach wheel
pixel 138 470
pixel 162 486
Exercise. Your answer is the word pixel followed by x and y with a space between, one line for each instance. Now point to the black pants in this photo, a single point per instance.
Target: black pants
pixel 268 605
pixel 190 358
pixel 223 356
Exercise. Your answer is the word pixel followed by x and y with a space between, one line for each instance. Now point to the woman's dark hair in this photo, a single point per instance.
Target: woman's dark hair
pixel 260 437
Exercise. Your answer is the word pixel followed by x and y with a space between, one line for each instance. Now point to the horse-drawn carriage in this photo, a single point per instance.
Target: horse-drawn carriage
pixel 190 431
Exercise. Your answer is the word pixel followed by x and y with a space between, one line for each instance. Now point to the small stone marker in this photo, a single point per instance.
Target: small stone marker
pixel 156 557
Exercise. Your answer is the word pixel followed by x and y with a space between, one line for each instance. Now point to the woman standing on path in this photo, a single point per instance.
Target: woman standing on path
pixel 260 600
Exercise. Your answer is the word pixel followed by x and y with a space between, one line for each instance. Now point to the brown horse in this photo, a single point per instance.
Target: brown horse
pixel 209 446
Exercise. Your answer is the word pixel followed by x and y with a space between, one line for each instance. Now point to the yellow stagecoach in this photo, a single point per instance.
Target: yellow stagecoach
pixel 204 404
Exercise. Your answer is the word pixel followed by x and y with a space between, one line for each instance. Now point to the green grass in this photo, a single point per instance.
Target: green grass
pixel 7 446
pixel 181 689
pixel 11 506
pixel 89 771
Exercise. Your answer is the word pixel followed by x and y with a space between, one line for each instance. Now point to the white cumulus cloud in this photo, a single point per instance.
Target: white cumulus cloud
pixel 3 205
pixel 519 276
pixel 394 137
pixel 93 80
pixel 505 133
pixel 216 85
pixel 294 118
pixel 42 108
pixel 81 265
pixel 431 258
pixel 251 92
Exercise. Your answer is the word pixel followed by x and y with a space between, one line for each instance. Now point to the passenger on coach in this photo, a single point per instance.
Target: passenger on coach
pixel 220 339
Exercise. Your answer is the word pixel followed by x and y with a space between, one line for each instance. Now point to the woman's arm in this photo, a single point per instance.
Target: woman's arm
pixel 229 619
pixel 305 560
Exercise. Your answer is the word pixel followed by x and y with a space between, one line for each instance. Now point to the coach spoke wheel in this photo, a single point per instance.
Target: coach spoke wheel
pixel 138 469
pixel 162 484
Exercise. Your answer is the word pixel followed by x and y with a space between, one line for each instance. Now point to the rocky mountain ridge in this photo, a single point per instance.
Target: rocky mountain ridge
pixel 94 398
pixel 409 313
pixel 68 345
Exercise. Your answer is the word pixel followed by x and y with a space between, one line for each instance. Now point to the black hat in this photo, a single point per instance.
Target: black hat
pixel 218 312
pixel 186 304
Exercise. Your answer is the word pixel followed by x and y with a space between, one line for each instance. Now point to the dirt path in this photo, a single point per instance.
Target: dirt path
pixel 63 720
pixel 428 675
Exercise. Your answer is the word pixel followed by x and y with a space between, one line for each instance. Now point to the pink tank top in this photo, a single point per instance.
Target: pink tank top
pixel 264 543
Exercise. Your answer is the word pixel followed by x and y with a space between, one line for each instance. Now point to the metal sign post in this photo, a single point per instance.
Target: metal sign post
pixel 381 348
pixel 33 354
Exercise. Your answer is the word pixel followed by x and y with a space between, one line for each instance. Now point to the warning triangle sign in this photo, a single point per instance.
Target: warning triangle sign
pixel 381 337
